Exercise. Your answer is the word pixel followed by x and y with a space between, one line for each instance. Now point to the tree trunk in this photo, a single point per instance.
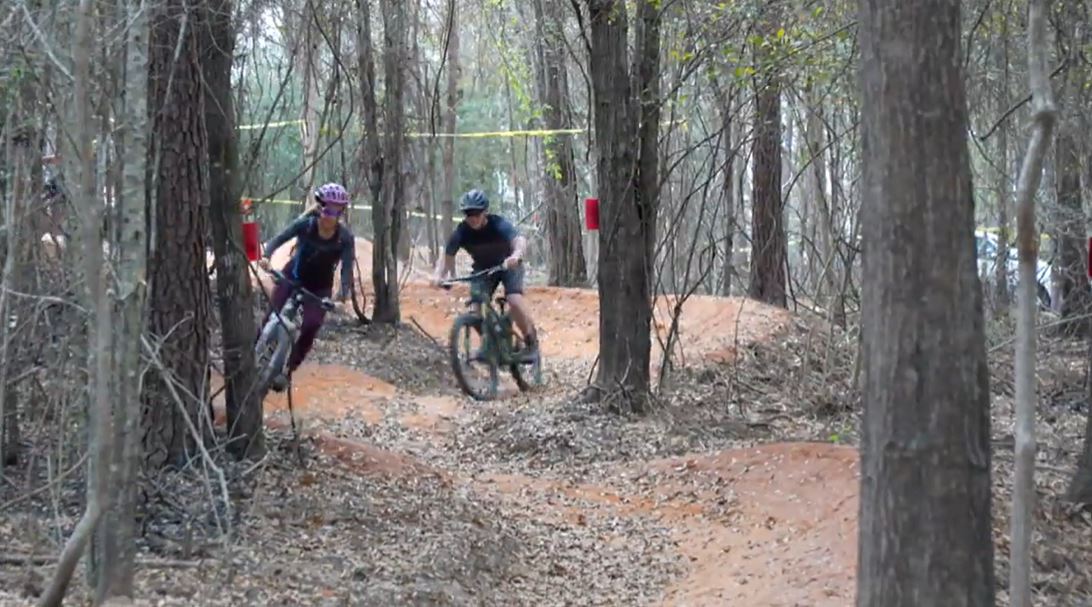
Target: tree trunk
pixel 425 152
pixel 566 262
pixel 627 216
pixel 388 212
pixel 179 301
pixel 447 206
pixel 821 253
pixel 1004 188
pixel 371 154
pixel 841 272
pixel 235 296
pixel 22 146
pixel 1080 487
pixel 728 126
pixel 91 208
pixel 412 173
pixel 768 241
pixel 307 65
pixel 114 543
pixel 925 452
pixel 1023 493
pixel 1073 288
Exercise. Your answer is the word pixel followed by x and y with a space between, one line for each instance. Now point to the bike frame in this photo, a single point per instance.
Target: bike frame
pixel 495 346
pixel 284 324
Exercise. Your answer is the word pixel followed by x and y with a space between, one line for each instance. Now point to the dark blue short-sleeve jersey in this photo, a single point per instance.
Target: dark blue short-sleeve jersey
pixel 488 246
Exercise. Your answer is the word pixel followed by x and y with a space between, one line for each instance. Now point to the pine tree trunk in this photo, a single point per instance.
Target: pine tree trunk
pixel 769 248
pixel 179 305
pixel 925 454
pixel 627 206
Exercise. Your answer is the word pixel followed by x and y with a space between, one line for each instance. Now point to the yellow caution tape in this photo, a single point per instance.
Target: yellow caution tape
pixel 1012 234
pixel 248 127
pixel 470 135
pixel 486 134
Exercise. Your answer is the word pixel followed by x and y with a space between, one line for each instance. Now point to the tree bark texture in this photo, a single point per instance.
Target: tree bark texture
pixel 451 104
pixel 371 152
pixel 925 464
pixel 769 247
pixel 114 553
pixel 179 294
pixel 234 294
pixel 566 262
pixel 627 217
pixel 1004 186
pixel 1072 264
pixel 388 213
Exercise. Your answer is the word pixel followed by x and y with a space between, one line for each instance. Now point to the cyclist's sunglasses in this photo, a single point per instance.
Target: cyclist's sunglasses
pixel 332 210
pixel 473 212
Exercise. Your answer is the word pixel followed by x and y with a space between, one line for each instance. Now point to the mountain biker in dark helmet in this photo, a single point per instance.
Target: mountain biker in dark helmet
pixel 492 240
pixel 321 242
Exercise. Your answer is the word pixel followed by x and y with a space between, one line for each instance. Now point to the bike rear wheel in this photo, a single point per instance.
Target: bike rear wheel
pixel 462 352
pixel 521 372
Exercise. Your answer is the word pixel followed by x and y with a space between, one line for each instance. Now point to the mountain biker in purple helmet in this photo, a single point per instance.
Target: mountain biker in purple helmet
pixel 492 240
pixel 321 242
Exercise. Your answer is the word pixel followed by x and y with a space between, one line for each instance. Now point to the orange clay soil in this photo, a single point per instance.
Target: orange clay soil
pixel 567 320
pixel 772 525
pixel 786 536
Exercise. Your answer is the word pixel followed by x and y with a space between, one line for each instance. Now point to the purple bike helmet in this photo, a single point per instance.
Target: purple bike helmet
pixel 333 198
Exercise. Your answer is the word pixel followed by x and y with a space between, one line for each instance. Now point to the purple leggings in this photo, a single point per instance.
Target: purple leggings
pixel 313 315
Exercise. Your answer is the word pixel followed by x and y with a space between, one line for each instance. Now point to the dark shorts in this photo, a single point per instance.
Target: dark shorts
pixel 511 279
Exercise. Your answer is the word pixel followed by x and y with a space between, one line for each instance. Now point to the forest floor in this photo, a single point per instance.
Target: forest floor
pixel 740 489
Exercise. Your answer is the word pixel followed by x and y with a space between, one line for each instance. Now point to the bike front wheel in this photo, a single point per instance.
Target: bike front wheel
pixel 469 352
pixel 270 354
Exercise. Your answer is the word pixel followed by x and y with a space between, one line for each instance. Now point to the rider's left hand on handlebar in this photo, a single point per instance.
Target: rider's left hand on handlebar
pixel 511 262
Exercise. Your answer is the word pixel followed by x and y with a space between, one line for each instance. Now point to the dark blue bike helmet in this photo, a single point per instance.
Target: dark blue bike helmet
pixel 474 200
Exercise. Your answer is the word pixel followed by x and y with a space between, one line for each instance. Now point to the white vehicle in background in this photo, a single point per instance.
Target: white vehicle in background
pixel 986 247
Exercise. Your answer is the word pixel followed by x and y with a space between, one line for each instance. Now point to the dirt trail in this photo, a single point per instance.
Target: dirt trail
pixel 792 540
pixel 770 525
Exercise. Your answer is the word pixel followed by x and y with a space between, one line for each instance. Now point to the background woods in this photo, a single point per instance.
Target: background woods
pixel 832 251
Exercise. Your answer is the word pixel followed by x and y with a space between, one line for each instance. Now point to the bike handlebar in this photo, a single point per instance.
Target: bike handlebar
pixel 326 303
pixel 447 284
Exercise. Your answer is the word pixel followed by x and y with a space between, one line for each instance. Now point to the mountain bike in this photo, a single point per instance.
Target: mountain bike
pixel 280 332
pixel 500 345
